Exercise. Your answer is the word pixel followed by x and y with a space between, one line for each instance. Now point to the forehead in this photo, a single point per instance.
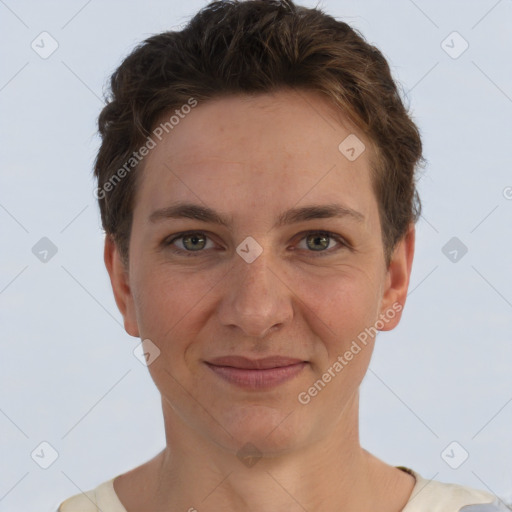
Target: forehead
pixel 302 120
pixel 288 142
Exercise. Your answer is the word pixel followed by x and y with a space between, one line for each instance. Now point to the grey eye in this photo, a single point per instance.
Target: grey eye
pixel 318 241
pixel 194 242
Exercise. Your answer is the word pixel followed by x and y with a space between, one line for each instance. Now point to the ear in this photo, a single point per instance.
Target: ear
pixel 397 281
pixel 120 285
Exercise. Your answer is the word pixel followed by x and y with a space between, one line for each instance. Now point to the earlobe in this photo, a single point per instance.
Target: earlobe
pixel 397 280
pixel 120 285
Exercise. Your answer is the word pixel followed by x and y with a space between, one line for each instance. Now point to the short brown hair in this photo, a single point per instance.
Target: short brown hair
pixel 251 47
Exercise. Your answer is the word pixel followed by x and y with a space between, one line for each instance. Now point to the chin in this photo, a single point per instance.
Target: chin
pixel 272 431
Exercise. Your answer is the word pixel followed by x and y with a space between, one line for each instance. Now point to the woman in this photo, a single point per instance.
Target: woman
pixel 256 182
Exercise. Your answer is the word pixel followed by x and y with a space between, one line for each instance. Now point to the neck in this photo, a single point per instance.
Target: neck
pixel 330 473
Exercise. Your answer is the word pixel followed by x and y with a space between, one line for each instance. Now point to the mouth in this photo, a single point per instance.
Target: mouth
pixel 256 374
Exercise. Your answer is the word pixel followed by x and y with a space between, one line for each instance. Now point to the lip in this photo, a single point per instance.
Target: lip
pixel 256 374
pixel 254 364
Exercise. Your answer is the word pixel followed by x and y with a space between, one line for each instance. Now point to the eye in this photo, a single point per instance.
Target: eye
pixel 193 242
pixel 322 242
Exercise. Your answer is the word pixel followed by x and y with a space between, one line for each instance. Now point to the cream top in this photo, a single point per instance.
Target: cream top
pixel 426 496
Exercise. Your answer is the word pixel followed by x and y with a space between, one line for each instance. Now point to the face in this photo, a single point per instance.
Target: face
pixel 255 236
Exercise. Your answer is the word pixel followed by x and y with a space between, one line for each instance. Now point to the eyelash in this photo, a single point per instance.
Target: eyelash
pixel 182 252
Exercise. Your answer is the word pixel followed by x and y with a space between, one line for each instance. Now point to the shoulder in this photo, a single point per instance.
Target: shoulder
pixel 103 498
pixel 83 502
pixel 434 496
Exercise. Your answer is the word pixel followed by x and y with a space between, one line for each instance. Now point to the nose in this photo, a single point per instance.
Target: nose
pixel 256 299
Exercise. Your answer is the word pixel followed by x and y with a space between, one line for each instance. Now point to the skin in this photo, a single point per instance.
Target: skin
pixel 250 159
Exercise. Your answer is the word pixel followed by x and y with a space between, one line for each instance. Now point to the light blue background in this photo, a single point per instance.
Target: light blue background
pixel 68 374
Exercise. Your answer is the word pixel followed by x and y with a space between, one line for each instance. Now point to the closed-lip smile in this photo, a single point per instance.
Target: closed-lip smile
pixel 256 374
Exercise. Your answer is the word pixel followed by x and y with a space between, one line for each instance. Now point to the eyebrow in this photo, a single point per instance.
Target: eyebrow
pixel 294 215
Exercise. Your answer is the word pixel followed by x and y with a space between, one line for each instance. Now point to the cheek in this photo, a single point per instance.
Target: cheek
pixel 168 301
pixel 339 304
pixel 335 303
pixel 338 309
